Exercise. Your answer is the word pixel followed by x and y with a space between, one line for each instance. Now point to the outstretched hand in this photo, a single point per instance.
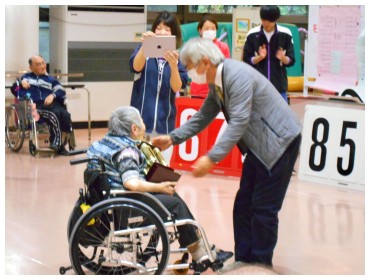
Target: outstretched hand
pixel 162 142
pixel 202 166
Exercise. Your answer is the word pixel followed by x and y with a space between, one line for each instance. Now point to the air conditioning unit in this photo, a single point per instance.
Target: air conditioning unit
pixel 96 41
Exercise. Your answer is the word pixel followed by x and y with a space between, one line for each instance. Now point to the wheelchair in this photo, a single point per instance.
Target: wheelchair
pixel 114 231
pixel 21 121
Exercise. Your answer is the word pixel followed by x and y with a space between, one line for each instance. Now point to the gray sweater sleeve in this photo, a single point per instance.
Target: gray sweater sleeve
pixel 238 95
pixel 199 121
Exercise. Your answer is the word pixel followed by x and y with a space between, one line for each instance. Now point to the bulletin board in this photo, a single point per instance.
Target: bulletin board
pixel 244 19
pixel 331 61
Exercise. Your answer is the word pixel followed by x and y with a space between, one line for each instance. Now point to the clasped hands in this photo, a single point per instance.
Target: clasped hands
pixel 280 53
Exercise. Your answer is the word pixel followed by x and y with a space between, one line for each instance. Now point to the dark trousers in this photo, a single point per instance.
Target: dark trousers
pixel 58 119
pixel 174 204
pixel 257 203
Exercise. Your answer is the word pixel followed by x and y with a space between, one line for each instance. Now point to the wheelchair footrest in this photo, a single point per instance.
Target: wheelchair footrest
pixel 45 150
pixel 200 267
pixel 217 265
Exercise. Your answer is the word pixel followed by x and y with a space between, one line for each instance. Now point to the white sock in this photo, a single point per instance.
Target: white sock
pixel 198 251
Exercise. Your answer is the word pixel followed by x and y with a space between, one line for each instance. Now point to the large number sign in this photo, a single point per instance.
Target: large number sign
pixel 185 154
pixel 333 146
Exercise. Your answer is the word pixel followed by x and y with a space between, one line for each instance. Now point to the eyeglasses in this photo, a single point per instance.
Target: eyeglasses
pixel 39 64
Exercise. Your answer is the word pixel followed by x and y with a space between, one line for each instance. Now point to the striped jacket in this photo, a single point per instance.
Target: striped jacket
pixel 41 87
pixel 117 168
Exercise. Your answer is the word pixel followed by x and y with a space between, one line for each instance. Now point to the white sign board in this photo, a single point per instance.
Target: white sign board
pixel 333 147
pixel 334 50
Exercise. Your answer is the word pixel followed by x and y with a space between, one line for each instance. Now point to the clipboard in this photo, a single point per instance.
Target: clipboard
pixel 159 173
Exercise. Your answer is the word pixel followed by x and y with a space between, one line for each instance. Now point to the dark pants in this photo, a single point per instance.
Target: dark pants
pixel 58 119
pixel 175 204
pixel 257 203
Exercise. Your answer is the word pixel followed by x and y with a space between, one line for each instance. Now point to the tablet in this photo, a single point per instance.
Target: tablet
pixel 158 45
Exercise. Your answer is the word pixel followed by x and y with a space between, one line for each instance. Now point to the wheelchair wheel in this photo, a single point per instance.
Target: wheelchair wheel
pixel 14 129
pixel 119 236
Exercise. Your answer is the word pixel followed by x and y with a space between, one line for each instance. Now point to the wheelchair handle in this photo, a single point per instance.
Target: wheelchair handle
pixel 83 160
pixel 77 152
pixel 79 160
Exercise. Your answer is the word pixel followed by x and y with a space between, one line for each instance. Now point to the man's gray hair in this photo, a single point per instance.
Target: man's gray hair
pixel 122 119
pixel 197 48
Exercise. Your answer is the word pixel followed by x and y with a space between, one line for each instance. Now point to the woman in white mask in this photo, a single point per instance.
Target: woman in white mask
pixel 207 28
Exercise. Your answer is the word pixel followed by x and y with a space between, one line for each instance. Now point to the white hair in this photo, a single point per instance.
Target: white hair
pixel 197 48
pixel 122 119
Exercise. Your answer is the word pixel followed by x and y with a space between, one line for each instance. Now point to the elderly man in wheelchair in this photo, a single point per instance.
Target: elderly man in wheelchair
pixel 129 235
pixel 48 95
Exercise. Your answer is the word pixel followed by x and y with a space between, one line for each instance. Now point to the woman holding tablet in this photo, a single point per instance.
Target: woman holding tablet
pixel 157 80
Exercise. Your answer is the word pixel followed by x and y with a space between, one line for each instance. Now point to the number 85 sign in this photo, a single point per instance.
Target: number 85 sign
pixel 333 146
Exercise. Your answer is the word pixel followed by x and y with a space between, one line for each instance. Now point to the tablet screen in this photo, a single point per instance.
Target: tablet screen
pixel 158 45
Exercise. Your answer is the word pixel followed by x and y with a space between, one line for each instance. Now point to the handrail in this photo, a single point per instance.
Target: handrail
pixel 73 75
pixel 16 74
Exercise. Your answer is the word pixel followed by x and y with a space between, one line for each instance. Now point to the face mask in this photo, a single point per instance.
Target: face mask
pixel 209 34
pixel 197 78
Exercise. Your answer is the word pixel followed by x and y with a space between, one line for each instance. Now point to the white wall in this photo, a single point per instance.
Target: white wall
pixel 104 98
pixel 58 38
pixel 21 36
pixel 21 40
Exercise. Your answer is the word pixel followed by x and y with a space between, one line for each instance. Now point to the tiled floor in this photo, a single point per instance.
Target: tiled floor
pixel 322 228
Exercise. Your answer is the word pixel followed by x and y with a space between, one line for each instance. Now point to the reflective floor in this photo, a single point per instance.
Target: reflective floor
pixel 322 228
